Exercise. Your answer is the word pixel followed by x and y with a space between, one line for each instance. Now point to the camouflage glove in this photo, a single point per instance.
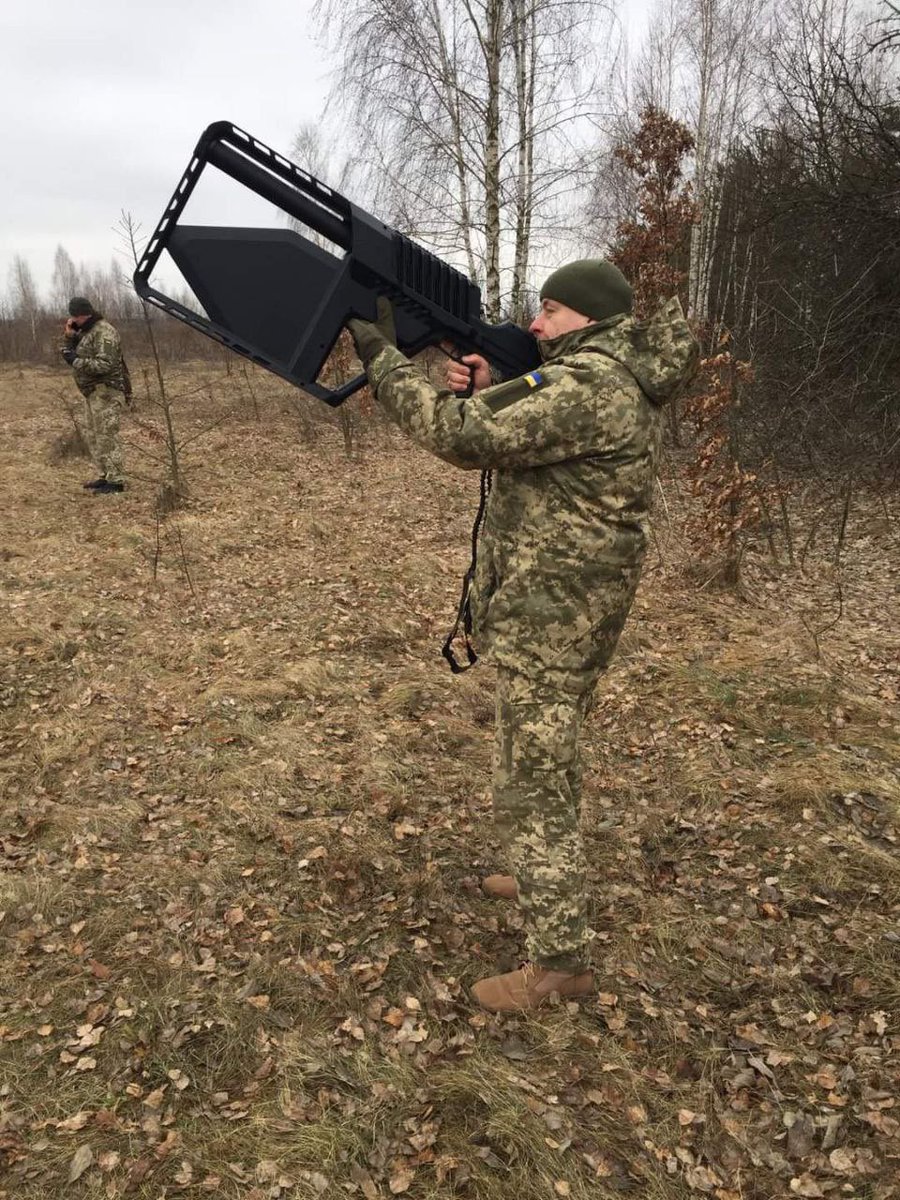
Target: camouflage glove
pixel 69 353
pixel 370 337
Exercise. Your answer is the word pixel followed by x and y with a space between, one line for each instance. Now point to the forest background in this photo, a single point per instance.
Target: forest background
pixel 498 134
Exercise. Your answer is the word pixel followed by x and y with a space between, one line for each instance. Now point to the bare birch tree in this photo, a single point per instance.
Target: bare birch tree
pixel 65 283
pixel 454 102
pixel 723 43
pixel 885 27
pixel 524 44
pixel 316 152
pixel 26 304
pixel 698 62
pixel 657 80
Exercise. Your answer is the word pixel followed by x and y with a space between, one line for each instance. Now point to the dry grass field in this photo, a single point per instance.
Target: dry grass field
pixel 244 817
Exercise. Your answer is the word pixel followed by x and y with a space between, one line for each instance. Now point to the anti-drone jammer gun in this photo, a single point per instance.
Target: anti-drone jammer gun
pixel 281 299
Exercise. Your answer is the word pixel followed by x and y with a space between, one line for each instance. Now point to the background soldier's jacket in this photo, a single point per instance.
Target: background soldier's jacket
pixel 574 446
pixel 99 359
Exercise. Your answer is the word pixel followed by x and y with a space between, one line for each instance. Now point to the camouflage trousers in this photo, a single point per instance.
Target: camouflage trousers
pixel 100 430
pixel 537 790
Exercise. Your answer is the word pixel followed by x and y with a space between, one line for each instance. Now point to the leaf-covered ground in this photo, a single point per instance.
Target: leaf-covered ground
pixel 245 815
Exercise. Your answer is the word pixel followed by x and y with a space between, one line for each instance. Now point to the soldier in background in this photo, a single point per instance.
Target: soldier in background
pixel 573 447
pixel 94 352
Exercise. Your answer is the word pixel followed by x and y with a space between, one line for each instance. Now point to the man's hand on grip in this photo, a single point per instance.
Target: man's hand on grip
pixel 461 371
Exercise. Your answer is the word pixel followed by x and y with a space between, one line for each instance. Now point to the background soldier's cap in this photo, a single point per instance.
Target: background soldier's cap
pixel 80 306
pixel 590 286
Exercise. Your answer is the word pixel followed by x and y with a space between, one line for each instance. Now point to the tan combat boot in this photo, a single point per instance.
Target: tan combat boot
pixel 502 886
pixel 529 988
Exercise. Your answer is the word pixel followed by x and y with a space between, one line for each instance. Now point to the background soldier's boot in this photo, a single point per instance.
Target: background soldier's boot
pixel 107 485
pixel 529 988
pixel 95 483
pixel 503 886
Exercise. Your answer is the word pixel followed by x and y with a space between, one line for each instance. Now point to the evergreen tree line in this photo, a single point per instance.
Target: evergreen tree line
pixel 789 120
pixel 805 272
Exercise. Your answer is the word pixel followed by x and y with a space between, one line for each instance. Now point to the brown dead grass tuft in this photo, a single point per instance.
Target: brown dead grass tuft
pixel 65 446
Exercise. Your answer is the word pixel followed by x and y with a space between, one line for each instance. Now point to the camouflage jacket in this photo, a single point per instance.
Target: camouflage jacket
pixel 574 447
pixel 98 358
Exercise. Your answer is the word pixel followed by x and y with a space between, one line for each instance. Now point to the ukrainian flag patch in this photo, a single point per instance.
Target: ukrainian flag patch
pixel 504 394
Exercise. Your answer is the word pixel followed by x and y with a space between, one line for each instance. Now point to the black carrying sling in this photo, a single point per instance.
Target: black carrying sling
pixel 464 612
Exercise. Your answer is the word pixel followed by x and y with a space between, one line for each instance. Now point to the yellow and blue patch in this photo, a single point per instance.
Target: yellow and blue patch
pixel 502 395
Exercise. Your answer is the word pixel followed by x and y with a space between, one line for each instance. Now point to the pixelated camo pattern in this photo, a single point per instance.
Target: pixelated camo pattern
pixel 574 448
pixel 574 458
pixel 536 792
pixel 100 430
pixel 99 358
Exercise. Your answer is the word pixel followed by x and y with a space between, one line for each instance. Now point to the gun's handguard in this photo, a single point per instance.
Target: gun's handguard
pixel 281 300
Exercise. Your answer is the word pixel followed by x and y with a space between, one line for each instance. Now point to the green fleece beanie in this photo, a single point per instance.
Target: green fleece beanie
pixel 80 306
pixel 590 286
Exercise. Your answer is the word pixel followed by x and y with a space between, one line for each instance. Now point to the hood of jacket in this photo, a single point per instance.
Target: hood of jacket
pixel 660 352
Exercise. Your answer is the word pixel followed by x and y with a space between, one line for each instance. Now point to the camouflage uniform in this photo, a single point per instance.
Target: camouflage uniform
pixel 102 379
pixel 574 448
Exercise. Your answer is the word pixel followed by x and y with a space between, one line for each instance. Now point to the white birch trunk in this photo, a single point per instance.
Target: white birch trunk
pixel 492 50
pixel 525 49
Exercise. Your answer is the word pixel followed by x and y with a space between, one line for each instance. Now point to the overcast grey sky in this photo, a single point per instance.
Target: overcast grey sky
pixel 105 101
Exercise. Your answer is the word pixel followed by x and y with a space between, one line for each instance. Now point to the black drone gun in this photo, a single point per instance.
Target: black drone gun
pixel 281 299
